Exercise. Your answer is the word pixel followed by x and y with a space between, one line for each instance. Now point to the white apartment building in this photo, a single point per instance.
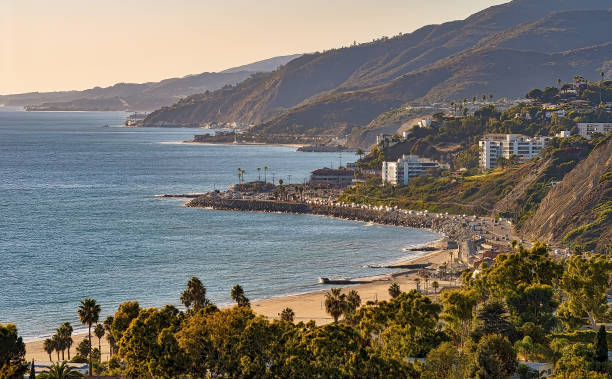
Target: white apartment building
pixel 408 166
pixel 586 129
pixel 493 146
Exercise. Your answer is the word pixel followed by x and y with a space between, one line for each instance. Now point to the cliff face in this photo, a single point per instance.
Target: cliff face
pixel 578 210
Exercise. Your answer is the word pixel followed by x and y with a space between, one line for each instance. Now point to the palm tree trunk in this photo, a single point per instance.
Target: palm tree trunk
pixel 50 359
pixel 63 356
pixel 100 345
pixel 90 348
pixel 57 351
pixel 68 352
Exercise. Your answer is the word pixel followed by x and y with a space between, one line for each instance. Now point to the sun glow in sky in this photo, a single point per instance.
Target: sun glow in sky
pixel 77 44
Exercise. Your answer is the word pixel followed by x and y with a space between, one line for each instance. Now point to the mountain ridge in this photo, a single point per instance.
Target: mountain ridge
pixel 141 96
pixel 315 82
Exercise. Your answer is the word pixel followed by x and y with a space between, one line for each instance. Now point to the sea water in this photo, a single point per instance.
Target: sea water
pixel 78 218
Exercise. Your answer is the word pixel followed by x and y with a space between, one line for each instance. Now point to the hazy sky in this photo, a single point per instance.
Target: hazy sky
pixel 50 45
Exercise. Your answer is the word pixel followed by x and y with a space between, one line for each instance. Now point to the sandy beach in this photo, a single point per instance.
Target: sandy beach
pixel 308 306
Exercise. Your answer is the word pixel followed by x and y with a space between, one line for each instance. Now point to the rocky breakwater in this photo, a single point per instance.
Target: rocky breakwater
pixel 451 226
pixel 248 205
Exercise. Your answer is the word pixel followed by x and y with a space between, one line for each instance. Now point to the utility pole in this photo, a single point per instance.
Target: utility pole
pixel 273 179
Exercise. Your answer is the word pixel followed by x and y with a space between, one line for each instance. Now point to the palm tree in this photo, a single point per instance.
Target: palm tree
pixel 237 294
pixel 108 324
pixel 360 153
pixel 484 98
pixel 417 281
pixel 239 175
pixel 426 277
pixel 48 347
pixel 60 371
pixel 266 174
pixel 259 174
pixel 559 82
pixel 490 96
pixel 99 332
pixel 394 290
pixel 335 303
pixel 65 332
pixel 287 314
pixel 353 301
pixel 435 285
pixel 58 344
pixel 89 313
pixel 194 295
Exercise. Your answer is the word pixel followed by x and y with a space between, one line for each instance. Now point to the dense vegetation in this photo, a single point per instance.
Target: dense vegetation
pixel 526 305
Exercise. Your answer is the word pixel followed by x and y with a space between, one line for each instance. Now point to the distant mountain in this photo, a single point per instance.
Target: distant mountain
pixel 144 96
pixel 266 65
pixel 505 50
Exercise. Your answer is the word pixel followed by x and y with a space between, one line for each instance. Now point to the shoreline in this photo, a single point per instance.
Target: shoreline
pixel 306 305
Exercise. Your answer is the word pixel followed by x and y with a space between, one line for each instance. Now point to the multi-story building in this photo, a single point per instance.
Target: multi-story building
pixel 408 166
pixel 586 129
pixel 494 146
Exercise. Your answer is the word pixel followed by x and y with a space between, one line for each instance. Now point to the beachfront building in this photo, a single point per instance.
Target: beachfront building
pixel 586 129
pixel 494 146
pixel 408 166
pixel 327 177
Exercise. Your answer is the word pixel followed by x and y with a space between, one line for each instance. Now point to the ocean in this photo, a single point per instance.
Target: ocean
pixel 78 218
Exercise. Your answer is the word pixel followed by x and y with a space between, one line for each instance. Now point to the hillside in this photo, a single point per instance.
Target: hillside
pixel 585 219
pixel 333 91
pixel 144 96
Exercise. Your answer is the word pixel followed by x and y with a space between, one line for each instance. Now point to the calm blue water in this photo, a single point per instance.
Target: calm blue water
pixel 78 218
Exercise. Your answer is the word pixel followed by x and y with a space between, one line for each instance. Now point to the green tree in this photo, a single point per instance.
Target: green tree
pixel 126 312
pixel 494 358
pixel 211 341
pixel 535 303
pixel 492 318
pixel 194 296
pixel 446 362
pixel 60 370
pixel 585 282
pixel 601 348
pixel 394 290
pixel 12 353
pixel 335 303
pixel 148 346
pixel 457 308
pixel 287 314
pixel 89 313
pixel 237 294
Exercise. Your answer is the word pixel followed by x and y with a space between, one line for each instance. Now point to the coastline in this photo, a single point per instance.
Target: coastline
pixel 307 306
